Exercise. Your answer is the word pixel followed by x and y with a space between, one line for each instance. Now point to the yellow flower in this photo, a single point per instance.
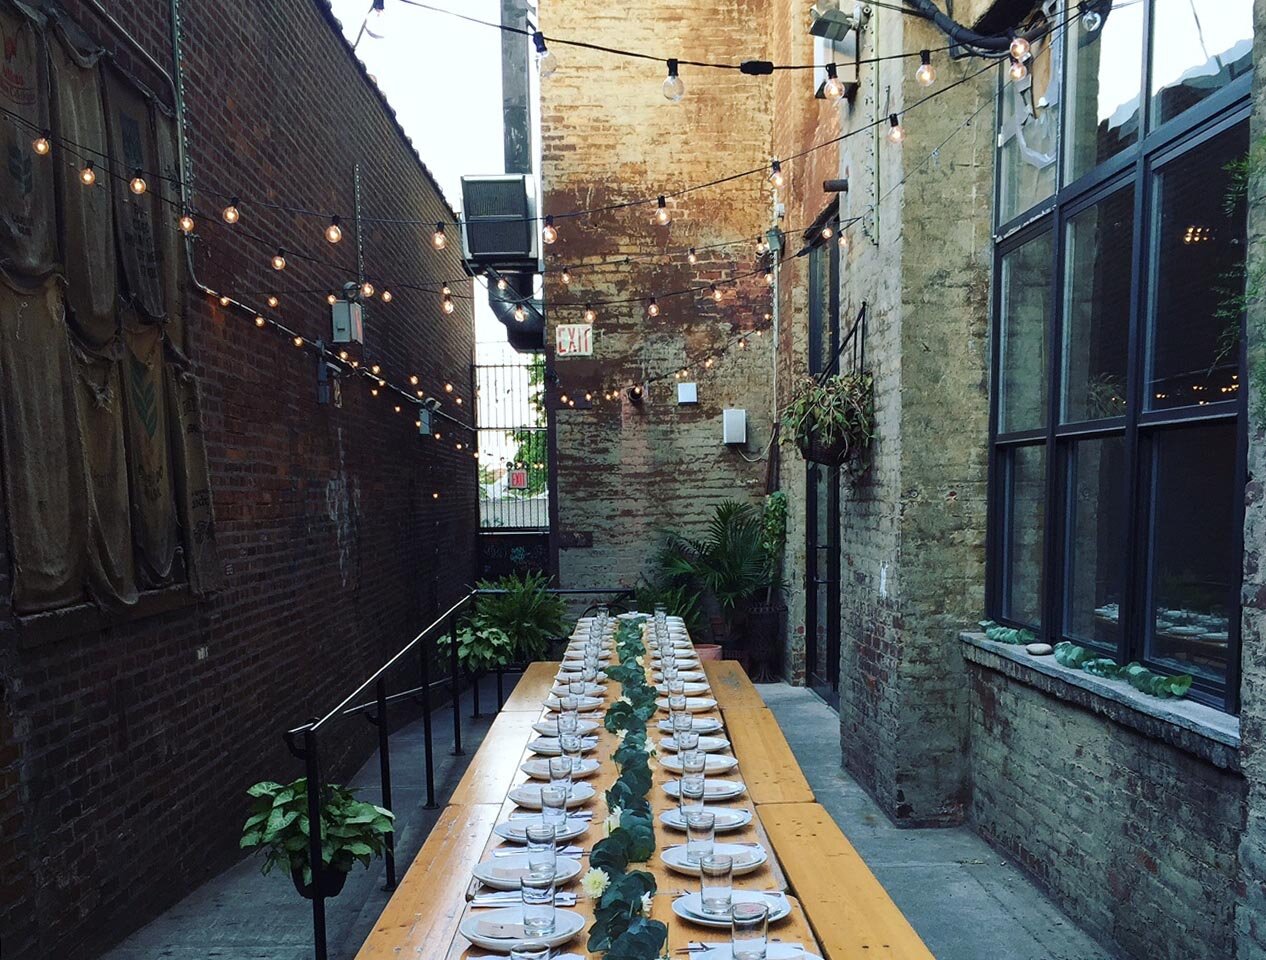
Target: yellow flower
pixel 595 883
pixel 612 822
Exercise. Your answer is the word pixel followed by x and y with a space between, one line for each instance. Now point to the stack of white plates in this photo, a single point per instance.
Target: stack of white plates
pixel 714 763
pixel 747 858
pixel 690 907
pixel 515 830
pixel 499 930
pixel 727 819
pixel 528 795
pixel 504 873
pixel 706 744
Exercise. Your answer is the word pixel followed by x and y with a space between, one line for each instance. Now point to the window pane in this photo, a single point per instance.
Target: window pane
pixel 1195 569
pixel 1198 47
pixel 1097 531
pixel 1105 72
pixel 1198 276
pixel 1097 309
pixel 1025 534
pixel 1028 136
pixel 1026 311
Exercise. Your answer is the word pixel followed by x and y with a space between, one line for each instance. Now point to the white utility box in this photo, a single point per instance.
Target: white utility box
pixel 733 426
pixel 687 393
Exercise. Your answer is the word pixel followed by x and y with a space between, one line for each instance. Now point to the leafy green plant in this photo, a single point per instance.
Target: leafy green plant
pixel 1135 674
pixel 480 649
pixel 525 612
pixel 679 599
pixel 351 830
pixel 836 410
pixel 774 525
pixel 731 561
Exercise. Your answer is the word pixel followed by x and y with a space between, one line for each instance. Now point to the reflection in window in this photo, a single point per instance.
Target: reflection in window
pixel 1026 314
pixel 1096 551
pixel 1105 72
pixel 1195 573
pixel 1198 47
pixel 1026 518
pixel 1097 308
pixel 1029 133
pixel 1198 280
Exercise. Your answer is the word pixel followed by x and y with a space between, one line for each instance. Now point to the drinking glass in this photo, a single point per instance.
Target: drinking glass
pixel 682 723
pixel 603 612
pixel 676 703
pixel 526 950
pixel 542 841
pixel 716 884
pixel 576 688
pixel 676 688
pixel 669 672
pixel 700 834
pixel 573 747
pixel 567 723
pixel 693 762
pixel 560 768
pixel 589 674
pixel 687 741
pixel 749 930
pixel 538 904
pixel 668 658
pixel 691 790
pixel 554 804
pixel 569 705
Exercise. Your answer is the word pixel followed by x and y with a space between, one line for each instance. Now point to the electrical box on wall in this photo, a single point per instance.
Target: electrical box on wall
pixel 733 426
pixel 348 321
pixel 687 393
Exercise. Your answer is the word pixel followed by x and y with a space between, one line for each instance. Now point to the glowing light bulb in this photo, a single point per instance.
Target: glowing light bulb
pixel 546 62
pixel 519 313
pixel 447 304
pixel 692 257
pixel 652 308
pixel 373 391
pixel 279 259
pixel 334 232
pixel 231 214
pixel 186 223
pixel 273 301
pixel 833 89
pixel 776 175
pixel 769 276
pixel 225 301
pixel 331 299
pixel 565 277
pixel 590 314
pixel 662 216
pixel 88 175
pixel 42 145
pixel 137 184
pixel 926 74
pixel 843 241
pixel 386 296
pixel 673 87
pixel 502 284
pixel 827 232
pixel 1019 48
pixel 1017 70
pixel 413 379
pixel 549 232
pixel 366 289
pixel 896 133
pixel 260 321
pixel 562 398
pixel 297 341
pixel 448 388
pixel 761 245
pixel 715 292
pixel 438 240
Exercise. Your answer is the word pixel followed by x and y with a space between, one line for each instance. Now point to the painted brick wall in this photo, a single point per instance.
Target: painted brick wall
pixel 124 753
pixel 608 136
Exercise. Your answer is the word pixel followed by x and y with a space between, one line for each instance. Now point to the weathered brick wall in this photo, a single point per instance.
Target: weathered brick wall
pixel 608 136
pixel 124 752
pixel 1134 838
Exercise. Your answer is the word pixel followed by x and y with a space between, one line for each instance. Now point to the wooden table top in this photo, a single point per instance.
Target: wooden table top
pixel 731 686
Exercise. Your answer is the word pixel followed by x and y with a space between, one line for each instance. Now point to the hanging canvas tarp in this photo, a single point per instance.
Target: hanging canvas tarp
pixel 28 222
pixel 171 240
pixel 193 479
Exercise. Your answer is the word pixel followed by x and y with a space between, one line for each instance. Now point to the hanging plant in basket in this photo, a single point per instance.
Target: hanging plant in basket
pixel 831 421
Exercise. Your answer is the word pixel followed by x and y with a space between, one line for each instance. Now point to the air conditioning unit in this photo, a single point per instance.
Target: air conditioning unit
pixel 499 227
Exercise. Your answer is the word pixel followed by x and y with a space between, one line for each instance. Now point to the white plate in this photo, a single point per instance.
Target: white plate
pixel 713 763
pixel 567 923
pixel 688 688
pixel 685 675
pixel 706 744
pixel 549 728
pixel 689 907
pixel 500 872
pixel 700 726
pixel 685 661
pixel 726 818
pixel 693 704
pixel 591 690
pixel 746 859
pixel 516 830
pixel 538 769
pixel 775 951
pixel 714 790
pixel 548 746
pixel 585 703
pixel 528 795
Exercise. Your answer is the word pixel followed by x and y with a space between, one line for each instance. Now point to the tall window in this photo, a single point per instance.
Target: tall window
pixel 1118 408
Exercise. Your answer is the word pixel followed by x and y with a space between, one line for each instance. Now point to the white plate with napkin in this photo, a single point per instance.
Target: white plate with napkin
pixel 723 951
pixel 516 830
pixel 715 790
pixel 693 704
pixel 538 768
pixel 701 725
pixel 499 930
pixel 688 676
pixel 549 728
pixel 746 858
pixel 706 744
pixel 591 690
pixel 727 819
pixel 690 907
pixel 584 703
pixel 713 763
pixel 688 688
pixel 552 746
pixel 528 795
pixel 504 873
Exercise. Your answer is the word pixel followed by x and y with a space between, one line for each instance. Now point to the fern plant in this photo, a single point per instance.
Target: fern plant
pixel 524 611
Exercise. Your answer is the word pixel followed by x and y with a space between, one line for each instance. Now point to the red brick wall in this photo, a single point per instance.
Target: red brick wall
pixel 124 752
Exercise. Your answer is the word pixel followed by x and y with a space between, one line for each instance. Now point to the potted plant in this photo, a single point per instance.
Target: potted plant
pixel 351 831
pixel 524 612
pixel 831 420
pixel 480 648
pixel 765 617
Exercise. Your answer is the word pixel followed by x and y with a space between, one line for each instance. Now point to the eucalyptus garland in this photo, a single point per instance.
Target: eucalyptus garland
pixel 622 927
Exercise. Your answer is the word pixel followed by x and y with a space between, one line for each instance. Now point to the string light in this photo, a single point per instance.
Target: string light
pixel 334 232
pixel 438 240
pixel 652 308
pixel 549 233
pixel 834 87
pixel 715 292
pixel 1017 70
pixel 519 313
pixel 562 398
pixel 387 296
pixel 88 175
pixel 373 391
pixel 298 341
pixel 137 184
pixel 225 301
pixel 448 388
pixel 775 174
pixel 662 216
pixel 331 299
pixel 42 145
pixel 692 257
pixel 231 213
pixel 1091 19
pixel 895 131
pixel 926 74
pixel 762 245
pixel 502 284
pixel 565 277
pixel 1019 48
pixel 546 62
pixel 260 321
pixel 590 314
pixel 366 289
pixel 769 276
pixel 673 87
pixel 375 369
pixel 186 223
pixel 413 379
pixel 273 301
pixel 279 259
pixel 447 304
pixel 827 232
pixel 843 240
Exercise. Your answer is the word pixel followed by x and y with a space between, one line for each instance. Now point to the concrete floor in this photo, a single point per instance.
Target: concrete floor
pixel 964 899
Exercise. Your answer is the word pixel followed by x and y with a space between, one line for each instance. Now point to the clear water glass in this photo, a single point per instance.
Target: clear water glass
pixel 676 703
pixel 569 705
pixel 589 674
pixel 669 672
pixel 749 930
pixel 603 612
pixel 538 904
pixel 700 834
pixel 568 722
pixel 691 789
pixel 526 950
pixel 682 723
pixel 693 762
pixel 560 768
pixel 542 843
pixel 676 688
pixel 687 741
pixel 573 747
pixel 554 804
pixel 716 884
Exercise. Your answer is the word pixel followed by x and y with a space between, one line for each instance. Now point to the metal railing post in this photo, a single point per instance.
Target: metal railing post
pixel 426 727
pixel 312 770
pixel 379 719
pixel 455 687
pixel 474 692
pixel 501 688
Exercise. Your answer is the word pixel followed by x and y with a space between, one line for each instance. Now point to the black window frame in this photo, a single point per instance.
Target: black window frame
pixel 1136 168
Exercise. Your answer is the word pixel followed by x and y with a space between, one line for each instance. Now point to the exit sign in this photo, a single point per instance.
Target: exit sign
pixel 518 479
pixel 573 340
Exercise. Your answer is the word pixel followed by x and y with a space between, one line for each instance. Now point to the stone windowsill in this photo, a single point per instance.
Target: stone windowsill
pixel 1199 729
